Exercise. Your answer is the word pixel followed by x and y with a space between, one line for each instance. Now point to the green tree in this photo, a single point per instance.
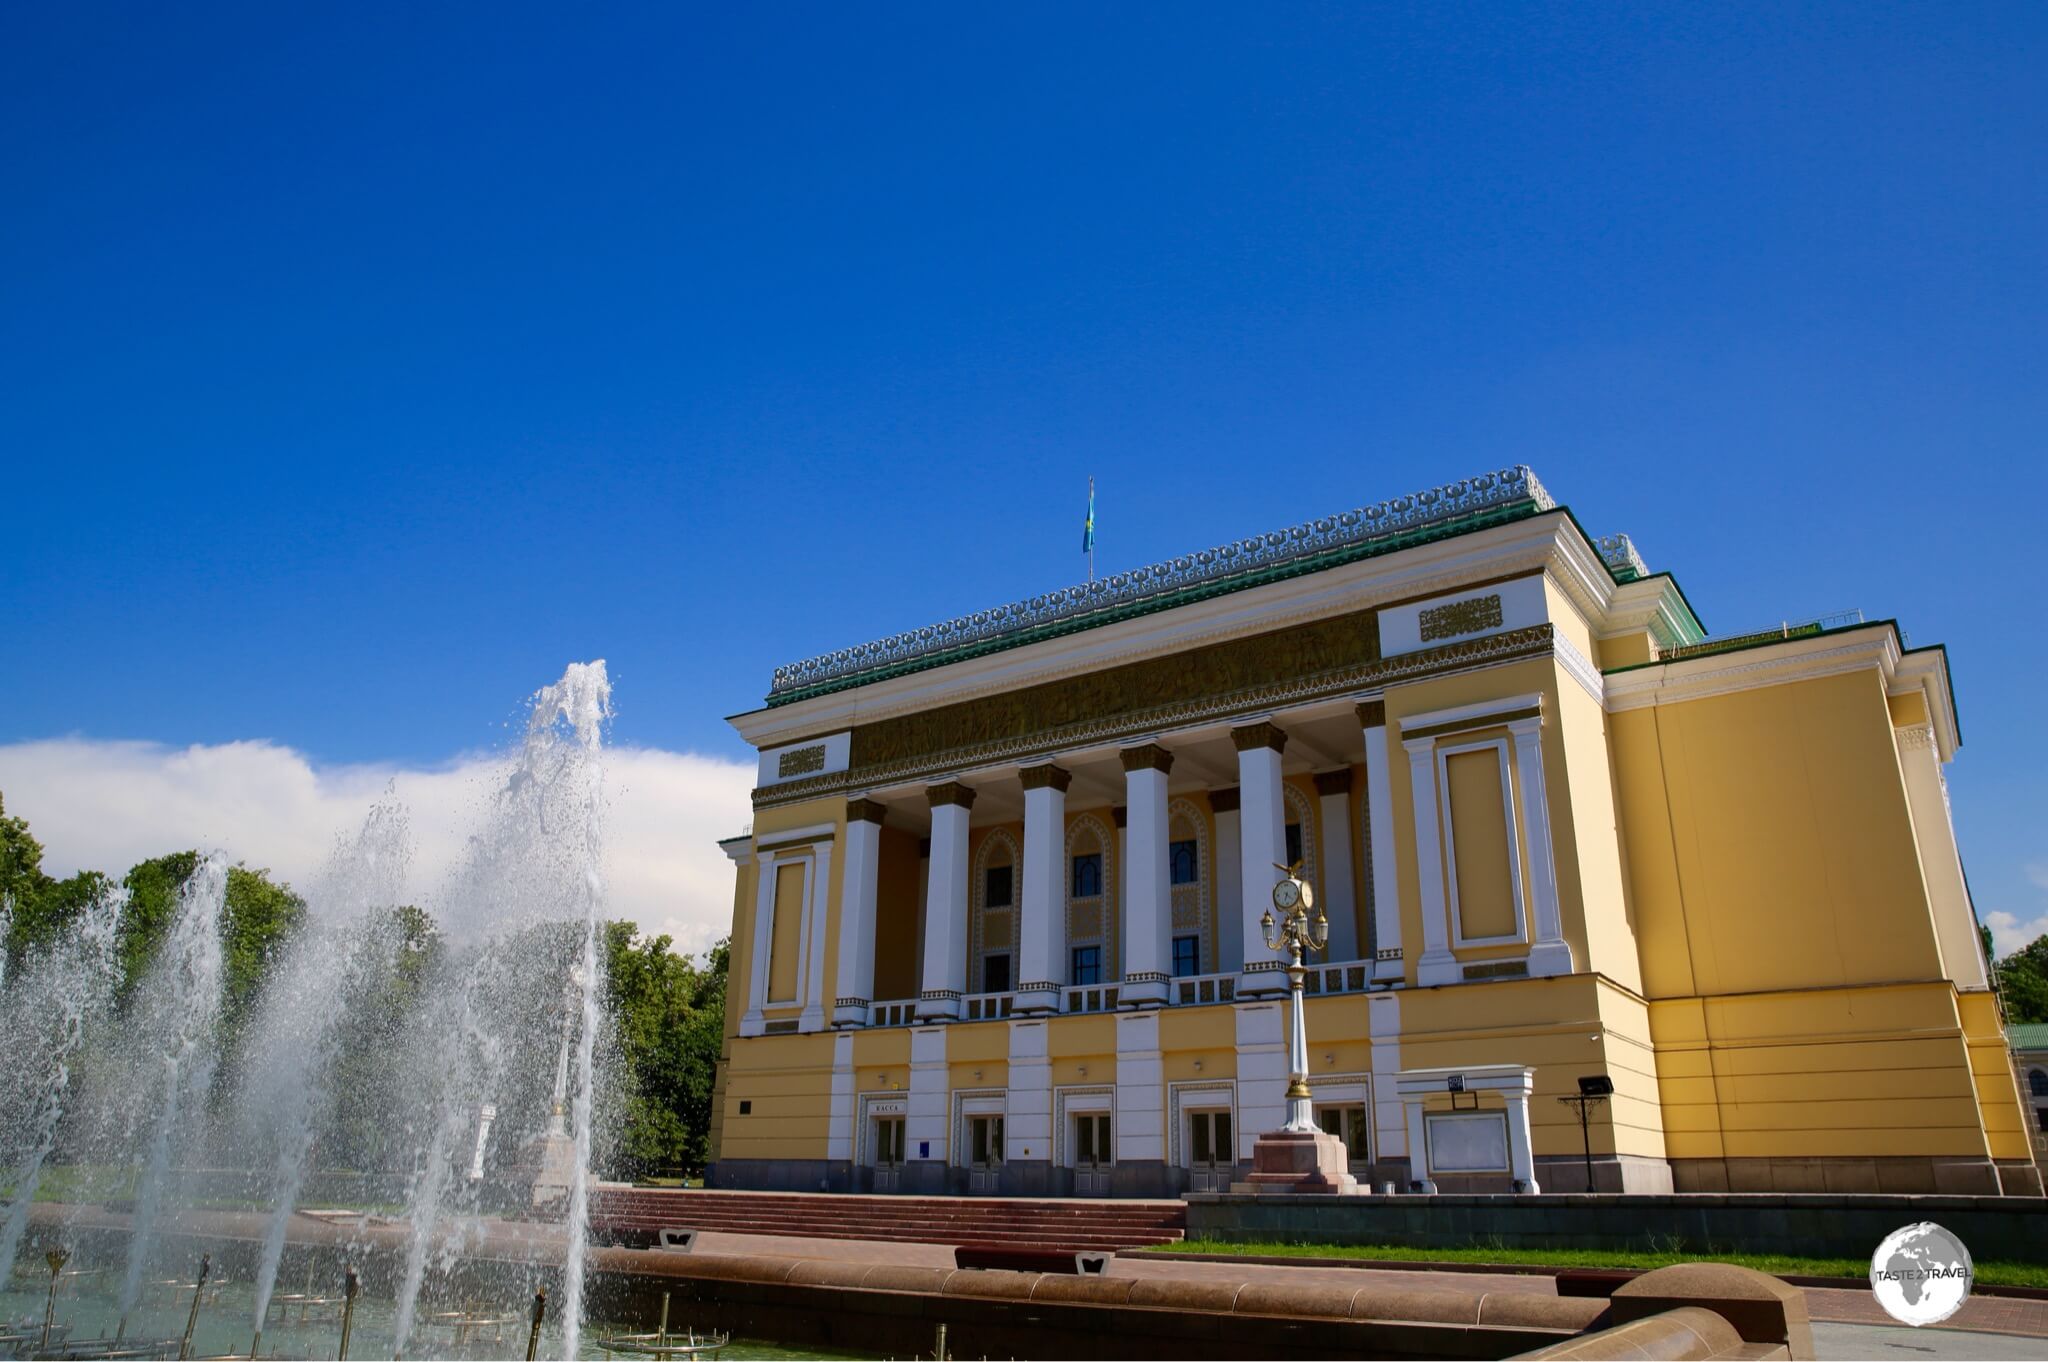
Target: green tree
pixel 153 887
pixel 256 918
pixel 669 1011
pixel 2023 982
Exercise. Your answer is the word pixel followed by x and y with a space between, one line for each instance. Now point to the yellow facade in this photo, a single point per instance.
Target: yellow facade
pixel 1560 832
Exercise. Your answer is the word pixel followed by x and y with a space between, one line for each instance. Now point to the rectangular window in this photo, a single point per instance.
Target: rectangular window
pixel 1479 838
pixel 995 974
pixel 1293 843
pixel 1088 876
pixel 1087 965
pixel 786 933
pixel 1347 1124
pixel 995 890
pixel 1187 956
pixel 1184 862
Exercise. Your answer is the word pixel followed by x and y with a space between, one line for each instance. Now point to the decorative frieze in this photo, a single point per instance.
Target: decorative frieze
pixel 1497 969
pixel 1219 568
pixel 1512 645
pixel 1473 616
pixel 800 761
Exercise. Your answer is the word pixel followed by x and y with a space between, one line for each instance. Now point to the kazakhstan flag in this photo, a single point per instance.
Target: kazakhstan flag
pixel 1088 525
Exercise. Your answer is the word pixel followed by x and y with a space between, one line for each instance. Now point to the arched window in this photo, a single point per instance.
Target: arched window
pixel 1194 909
pixel 1091 904
pixel 992 933
pixel 2037 1082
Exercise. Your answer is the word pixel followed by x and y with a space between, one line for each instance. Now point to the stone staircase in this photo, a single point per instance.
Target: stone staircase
pixel 635 1217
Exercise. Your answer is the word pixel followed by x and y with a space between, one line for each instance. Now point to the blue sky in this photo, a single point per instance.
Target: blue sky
pixel 360 366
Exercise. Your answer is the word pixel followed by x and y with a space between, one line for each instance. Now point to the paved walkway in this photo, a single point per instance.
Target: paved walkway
pixel 1980 1315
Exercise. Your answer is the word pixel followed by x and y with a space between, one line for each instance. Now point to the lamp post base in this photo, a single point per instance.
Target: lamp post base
pixel 1307 1161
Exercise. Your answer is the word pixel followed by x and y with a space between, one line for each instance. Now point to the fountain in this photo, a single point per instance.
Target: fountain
pixel 358 1071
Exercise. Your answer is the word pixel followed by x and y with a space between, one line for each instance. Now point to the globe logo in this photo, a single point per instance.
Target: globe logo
pixel 1921 1274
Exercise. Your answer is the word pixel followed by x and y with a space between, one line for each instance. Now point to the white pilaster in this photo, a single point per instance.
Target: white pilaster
pixel 1418 1150
pixel 1262 823
pixel 855 988
pixel 1437 965
pixel 1337 896
pixel 928 1116
pixel 1383 1024
pixel 741 852
pixel 1140 1125
pixel 1521 1150
pixel 1229 884
pixel 1955 921
pixel 1261 1071
pixel 1042 947
pixel 751 1021
pixel 1549 953
pixel 811 949
pixel 1027 1119
pixel 945 917
pixel 839 1131
pixel 1148 903
pixel 1379 818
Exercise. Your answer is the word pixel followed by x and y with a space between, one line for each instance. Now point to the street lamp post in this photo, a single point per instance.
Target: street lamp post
pixel 1295 933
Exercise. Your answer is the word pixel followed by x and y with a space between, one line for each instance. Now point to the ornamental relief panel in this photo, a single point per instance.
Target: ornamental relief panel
pixel 1215 670
pixel 1460 617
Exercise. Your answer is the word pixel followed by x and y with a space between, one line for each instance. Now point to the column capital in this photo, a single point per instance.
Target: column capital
pixel 1045 777
pixel 866 811
pixel 1223 801
pixel 1265 733
pixel 1372 713
pixel 951 792
pixel 1150 757
pixel 1334 782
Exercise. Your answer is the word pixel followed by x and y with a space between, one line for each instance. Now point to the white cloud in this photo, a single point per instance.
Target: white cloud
pixel 106 805
pixel 2008 933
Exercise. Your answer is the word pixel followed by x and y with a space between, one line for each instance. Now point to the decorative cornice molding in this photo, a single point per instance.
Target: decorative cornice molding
pixel 1580 668
pixel 1514 645
pixel 1265 733
pixel 1917 738
pixel 1149 757
pixel 1335 782
pixel 951 792
pixel 1044 777
pixel 1515 488
pixel 1699 678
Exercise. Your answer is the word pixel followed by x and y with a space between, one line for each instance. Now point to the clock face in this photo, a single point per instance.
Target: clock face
pixel 1286 894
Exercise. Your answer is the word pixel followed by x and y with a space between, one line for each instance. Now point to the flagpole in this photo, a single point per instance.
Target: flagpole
pixel 1091 531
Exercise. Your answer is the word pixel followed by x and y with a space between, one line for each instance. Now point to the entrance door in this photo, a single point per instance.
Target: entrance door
pixel 1212 1154
pixel 1348 1125
pixel 1094 1156
pixel 985 1152
pixel 888 1153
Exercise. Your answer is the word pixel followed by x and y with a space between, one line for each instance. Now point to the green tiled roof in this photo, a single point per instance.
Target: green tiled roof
pixel 2028 1035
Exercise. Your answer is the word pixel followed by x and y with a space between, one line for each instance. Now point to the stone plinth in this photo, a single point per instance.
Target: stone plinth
pixel 1308 1161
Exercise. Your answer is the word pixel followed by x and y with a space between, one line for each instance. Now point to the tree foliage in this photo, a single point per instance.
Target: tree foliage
pixel 2023 982
pixel 670 1014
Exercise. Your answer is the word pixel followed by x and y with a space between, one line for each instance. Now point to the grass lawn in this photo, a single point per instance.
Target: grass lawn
pixel 1989 1273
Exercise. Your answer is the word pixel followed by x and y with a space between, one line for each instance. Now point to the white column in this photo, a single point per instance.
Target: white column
pixel 1042 943
pixel 1139 1129
pixel 855 987
pixel 1336 895
pixel 1148 902
pixel 1418 1146
pixel 839 1131
pixel 1229 883
pixel 1379 819
pixel 1262 826
pixel 740 850
pixel 1027 1109
pixel 1521 1152
pixel 818 893
pixel 945 916
pixel 1955 921
pixel 1383 1024
pixel 1261 1071
pixel 751 1021
pixel 1437 965
pixel 928 1114
pixel 1550 953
